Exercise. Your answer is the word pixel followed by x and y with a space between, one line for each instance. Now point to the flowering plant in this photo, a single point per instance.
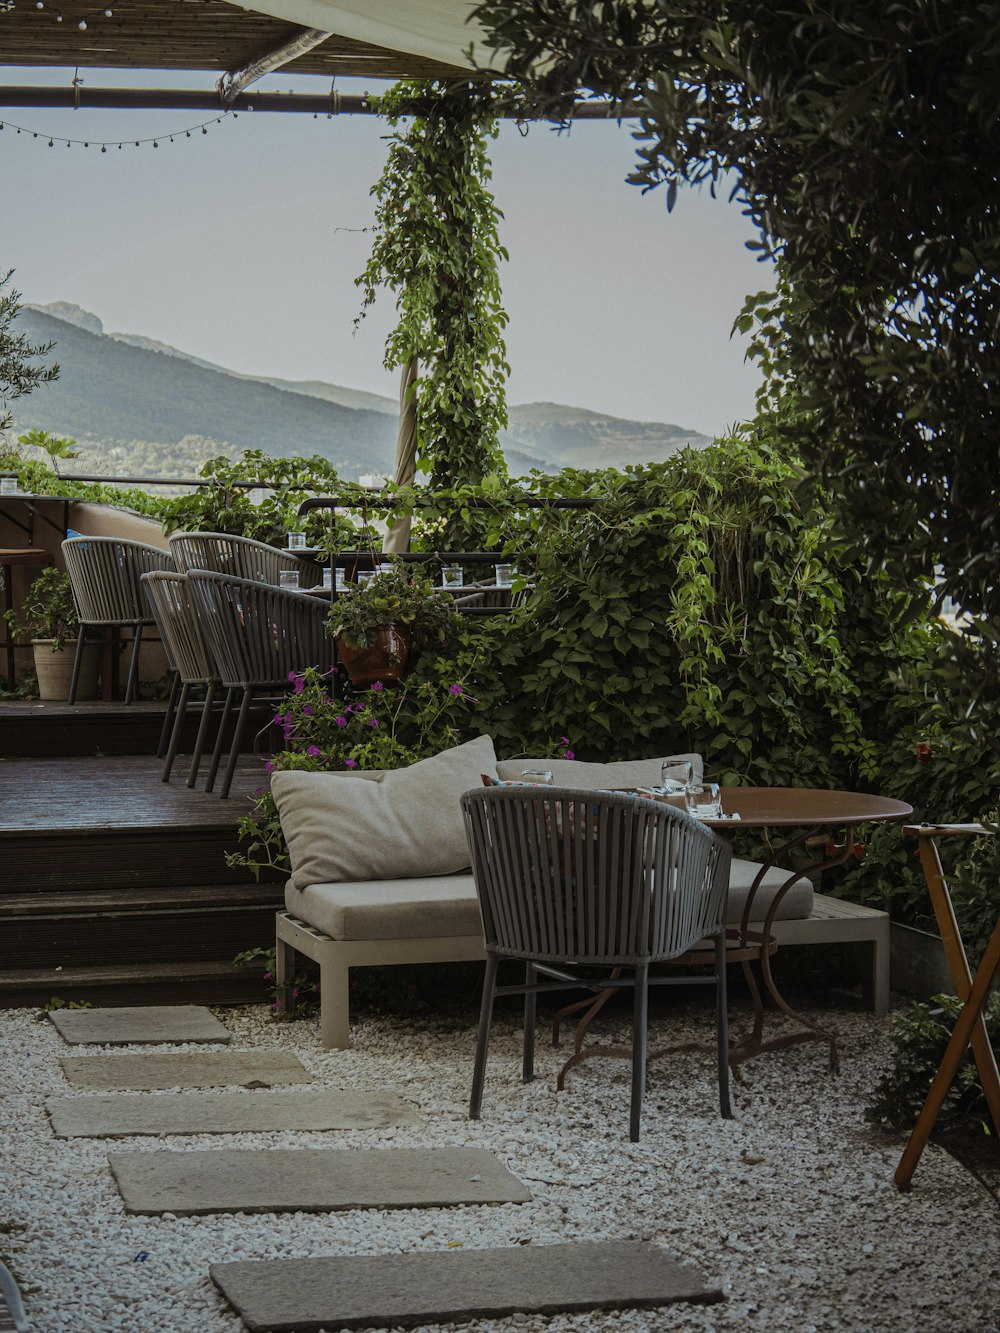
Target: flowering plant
pixel 395 596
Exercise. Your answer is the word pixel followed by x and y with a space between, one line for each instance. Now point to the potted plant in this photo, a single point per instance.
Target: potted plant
pixel 49 618
pixel 376 624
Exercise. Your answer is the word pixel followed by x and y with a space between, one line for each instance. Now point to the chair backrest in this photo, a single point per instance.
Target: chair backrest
pixel 174 613
pixel 241 557
pixel 257 634
pixel 565 875
pixel 106 574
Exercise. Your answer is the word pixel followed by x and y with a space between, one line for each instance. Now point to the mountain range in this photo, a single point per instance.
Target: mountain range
pixel 143 408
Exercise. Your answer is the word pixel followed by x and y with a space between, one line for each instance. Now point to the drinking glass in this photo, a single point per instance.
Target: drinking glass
pixel 327 579
pixel 340 583
pixel 703 800
pixel 537 777
pixel 676 775
pixel 8 485
pixel 452 576
pixel 288 578
pixel 504 575
pixel 296 541
pixel 365 577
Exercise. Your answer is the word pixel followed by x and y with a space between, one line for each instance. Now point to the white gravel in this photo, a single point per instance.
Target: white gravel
pixel 791 1207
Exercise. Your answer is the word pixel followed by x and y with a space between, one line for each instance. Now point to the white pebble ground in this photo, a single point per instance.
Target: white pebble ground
pixel 790 1207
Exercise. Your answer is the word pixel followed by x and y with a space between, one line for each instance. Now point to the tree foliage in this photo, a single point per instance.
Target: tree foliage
pixel 437 248
pixel 865 140
pixel 18 374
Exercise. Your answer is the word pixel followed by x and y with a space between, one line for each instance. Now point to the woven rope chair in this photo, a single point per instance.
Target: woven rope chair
pixel 241 557
pixel 256 636
pixel 602 881
pixel 173 610
pixel 106 574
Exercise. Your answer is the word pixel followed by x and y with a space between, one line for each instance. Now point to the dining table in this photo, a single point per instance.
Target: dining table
pixel 797 822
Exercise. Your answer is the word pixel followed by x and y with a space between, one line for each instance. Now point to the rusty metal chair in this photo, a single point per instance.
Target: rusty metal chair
pixel 569 880
pixel 106 574
pixel 242 557
pixel 256 635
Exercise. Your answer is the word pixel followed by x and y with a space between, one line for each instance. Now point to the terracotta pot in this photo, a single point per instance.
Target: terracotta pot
pixel 384 660
pixel 55 670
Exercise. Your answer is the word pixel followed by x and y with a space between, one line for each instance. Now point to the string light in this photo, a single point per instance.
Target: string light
pixel 7 5
pixel 115 143
pixel 105 144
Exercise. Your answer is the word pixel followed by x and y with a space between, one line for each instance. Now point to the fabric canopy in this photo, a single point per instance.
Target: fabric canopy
pixel 435 29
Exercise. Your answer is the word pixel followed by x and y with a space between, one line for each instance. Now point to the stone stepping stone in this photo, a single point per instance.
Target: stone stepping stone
pixel 119 1116
pixel 146 1023
pixel 406 1290
pixel 311 1180
pixel 185 1069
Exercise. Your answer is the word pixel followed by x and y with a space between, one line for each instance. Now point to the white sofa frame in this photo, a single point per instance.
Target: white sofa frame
pixel 833 921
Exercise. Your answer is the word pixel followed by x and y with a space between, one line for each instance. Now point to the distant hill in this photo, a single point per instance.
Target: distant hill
pixel 143 407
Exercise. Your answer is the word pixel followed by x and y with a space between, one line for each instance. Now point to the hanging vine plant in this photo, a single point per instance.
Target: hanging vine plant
pixel 437 248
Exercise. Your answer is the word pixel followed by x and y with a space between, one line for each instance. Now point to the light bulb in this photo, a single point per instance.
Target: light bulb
pixel 82 25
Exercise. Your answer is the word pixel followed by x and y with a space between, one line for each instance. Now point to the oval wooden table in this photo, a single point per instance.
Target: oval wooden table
pixel 805 812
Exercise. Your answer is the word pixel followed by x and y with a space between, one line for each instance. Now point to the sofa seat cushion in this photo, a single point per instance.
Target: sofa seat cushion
pixel 430 907
pixel 796 905
pixel 408 822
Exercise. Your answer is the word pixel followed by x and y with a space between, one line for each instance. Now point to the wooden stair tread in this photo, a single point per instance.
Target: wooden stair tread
pixel 121 974
pixel 145 902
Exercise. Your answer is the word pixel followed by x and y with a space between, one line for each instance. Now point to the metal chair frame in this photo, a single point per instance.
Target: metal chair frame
pixel 607 881
pixel 187 655
pixel 240 557
pixel 256 635
pixel 106 574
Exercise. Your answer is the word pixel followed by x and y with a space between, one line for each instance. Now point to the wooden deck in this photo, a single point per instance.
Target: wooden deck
pixel 114 885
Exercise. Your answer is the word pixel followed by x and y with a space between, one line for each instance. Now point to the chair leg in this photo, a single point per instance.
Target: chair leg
pixel 483 1036
pixel 77 661
pixel 217 752
pixel 530 998
pixel 234 752
pixel 722 1024
pixel 168 716
pixel 199 745
pixel 175 735
pixel 640 1022
pixel 133 670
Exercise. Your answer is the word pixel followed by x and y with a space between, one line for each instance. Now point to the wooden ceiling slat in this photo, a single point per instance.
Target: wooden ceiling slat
pixel 184 34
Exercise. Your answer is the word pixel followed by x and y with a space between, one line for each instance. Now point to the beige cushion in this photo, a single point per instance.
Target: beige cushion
pixel 597 777
pixel 796 905
pixel 406 823
pixel 400 909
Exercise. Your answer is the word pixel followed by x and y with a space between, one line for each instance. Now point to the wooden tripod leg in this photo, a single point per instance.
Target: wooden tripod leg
pixel 958 964
pixel 972 1013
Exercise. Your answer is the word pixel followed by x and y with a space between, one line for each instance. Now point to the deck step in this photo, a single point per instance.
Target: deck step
pixel 31 728
pixel 136 926
pixel 217 982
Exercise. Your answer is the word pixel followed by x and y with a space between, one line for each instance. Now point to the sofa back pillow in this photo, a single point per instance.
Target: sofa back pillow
pixel 406 823
pixel 598 777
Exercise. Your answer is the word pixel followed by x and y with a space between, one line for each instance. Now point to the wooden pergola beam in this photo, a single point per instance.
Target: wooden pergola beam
pixel 233 82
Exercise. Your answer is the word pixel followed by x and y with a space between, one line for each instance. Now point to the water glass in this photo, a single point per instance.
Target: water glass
pixel 296 541
pixel 452 576
pixel 537 777
pixel 365 577
pixel 703 800
pixel 288 578
pixel 504 575
pixel 340 580
pixel 328 579
pixel 676 775
pixel 8 485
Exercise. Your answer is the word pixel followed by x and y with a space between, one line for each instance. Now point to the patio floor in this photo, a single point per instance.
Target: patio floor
pixel 790 1207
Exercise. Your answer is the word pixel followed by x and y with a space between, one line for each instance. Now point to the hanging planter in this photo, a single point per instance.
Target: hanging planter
pixel 385 659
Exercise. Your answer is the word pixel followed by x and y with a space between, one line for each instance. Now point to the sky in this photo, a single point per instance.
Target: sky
pixel 241 246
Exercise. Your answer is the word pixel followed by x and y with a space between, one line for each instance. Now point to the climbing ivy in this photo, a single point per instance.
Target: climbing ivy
pixel 437 248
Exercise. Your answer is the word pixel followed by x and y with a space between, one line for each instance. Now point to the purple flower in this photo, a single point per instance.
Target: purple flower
pixel 350 763
pixel 377 685
pixel 341 721
pixel 308 710
pixel 568 754
pixel 564 740
pixel 279 719
pixel 455 689
pixel 314 751
pixel 374 724
pixel 269 766
pixel 267 976
pixel 300 682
